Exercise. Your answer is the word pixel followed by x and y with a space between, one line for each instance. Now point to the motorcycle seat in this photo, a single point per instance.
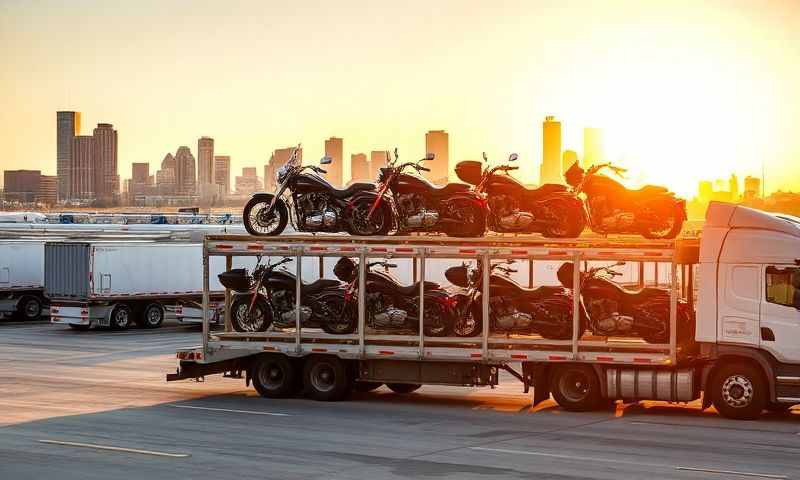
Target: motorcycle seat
pixel 544 190
pixel 319 285
pixel 638 295
pixel 650 190
pixel 352 189
pixel 412 290
pixel 450 188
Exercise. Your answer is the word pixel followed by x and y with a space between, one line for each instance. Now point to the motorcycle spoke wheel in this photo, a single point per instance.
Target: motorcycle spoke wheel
pixel 466 325
pixel 435 320
pixel 362 224
pixel 663 228
pixel 247 319
pixel 336 317
pixel 257 222
pixel 470 219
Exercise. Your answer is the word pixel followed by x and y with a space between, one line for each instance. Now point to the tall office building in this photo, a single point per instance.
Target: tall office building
pixel 248 183
pixel 752 187
pixel 106 176
pixel 437 142
pixel 733 187
pixel 377 159
pixel 140 181
pixel 82 177
pixel 68 125
pixel 21 185
pixel 205 160
pixel 185 177
pixel 222 173
pixel 334 148
pixel 568 158
pixel 550 169
pixel 592 146
pixel 359 168
pixel 48 190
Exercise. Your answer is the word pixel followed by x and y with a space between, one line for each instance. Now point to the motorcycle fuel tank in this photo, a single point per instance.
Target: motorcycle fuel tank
pixel 504 184
pixel 405 183
pixel 310 183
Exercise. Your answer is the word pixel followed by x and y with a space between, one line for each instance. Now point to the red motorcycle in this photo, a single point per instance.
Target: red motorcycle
pixel 652 211
pixel 417 205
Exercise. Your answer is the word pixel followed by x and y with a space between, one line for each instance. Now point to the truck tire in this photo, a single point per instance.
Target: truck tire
pixel 576 387
pixel 275 376
pixel 152 316
pixel 326 378
pixel 403 388
pixel 29 307
pixel 739 391
pixel 120 317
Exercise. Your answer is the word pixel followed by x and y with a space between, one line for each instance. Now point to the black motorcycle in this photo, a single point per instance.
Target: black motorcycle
pixel 550 209
pixel 267 297
pixel 316 205
pixel 420 206
pixel 546 310
pixel 616 311
pixel 391 305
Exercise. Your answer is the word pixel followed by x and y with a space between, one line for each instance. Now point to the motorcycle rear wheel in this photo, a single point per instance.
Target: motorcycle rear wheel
pixel 570 224
pixel 469 324
pixel 436 322
pixel 259 318
pixel 674 224
pixel 338 321
pixel 256 223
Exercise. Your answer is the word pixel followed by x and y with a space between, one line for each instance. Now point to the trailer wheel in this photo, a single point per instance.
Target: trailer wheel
pixel 576 387
pixel 326 378
pixel 739 391
pixel 29 308
pixel 152 316
pixel 275 376
pixel 365 387
pixel 403 388
pixel 120 317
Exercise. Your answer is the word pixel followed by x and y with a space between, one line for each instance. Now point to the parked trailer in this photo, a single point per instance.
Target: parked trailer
pixel 743 358
pixel 22 279
pixel 118 283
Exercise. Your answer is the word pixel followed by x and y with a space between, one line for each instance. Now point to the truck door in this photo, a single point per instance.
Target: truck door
pixel 780 312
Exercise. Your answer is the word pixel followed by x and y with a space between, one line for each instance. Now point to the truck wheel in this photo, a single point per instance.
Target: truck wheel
pixel 365 387
pixel 275 376
pixel 326 378
pixel 120 317
pixel 152 316
pixel 29 308
pixel 739 391
pixel 576 388
pixel 403 388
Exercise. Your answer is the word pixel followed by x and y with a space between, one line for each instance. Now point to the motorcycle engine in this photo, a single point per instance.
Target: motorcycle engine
pixel 416 215
pixel 316 212
pixel 509 216
pixel 611 218
pixel 507 317
pixel 284 304
pixel 383 314
pixel 607 319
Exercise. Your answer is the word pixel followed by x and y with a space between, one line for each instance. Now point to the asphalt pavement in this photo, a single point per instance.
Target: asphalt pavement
pixel 94 404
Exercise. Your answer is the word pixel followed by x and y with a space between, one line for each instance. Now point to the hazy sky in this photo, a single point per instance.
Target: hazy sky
pixel 683 90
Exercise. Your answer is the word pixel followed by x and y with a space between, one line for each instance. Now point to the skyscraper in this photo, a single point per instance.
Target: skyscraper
pixel 82 177
pixel 21 185
pixel 222 173
pixel 106 177
pixel 68 125
pixel 334 148
pixel 48 190
pixel 437 142
pixel 185 177
pixel 752 187
pixel 568 158
pixel 205 160
pixel 140 180
pixel 377 159
pixel 550 169
pixel 733 187
pixel 359 168
pixel 592 146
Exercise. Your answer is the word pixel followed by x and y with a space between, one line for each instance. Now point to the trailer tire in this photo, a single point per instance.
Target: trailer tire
pixel 152 316
pixel 29 307
pixel 275 376
pixel 576 387
pixel 326 378
pixel 739 391
pixel 120 317
pixel 403 388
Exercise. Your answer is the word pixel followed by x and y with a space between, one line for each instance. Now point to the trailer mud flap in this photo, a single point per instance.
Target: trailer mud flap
pixel 538 377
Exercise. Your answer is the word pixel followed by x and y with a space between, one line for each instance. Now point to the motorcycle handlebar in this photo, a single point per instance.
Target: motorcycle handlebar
pixel 424 169
pixel 321 170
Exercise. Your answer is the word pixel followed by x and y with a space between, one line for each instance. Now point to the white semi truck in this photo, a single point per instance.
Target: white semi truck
pixel 741 278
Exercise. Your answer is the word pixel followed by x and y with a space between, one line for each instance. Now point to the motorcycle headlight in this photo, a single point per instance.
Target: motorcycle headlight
pixel 281 174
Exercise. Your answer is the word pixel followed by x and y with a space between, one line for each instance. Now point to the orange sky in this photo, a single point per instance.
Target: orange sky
pixel 683 91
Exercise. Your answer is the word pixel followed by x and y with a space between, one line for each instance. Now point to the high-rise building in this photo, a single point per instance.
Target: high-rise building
pixel 592 146
pixel 68 125
pixel 278 159
pixel 139 182
pixel 359 168
pixel 222 173
pixel 377 159
pixel 550 169
pixel 733 187
pixel 334 148
pixel 437 142
pixel 705 190
pixel 185 177
pixel 165 176
pixel 752 187
pixel 82 177
pixel 21 185
pixel 106 176
pixel 205 160
pixel 568 158
pixel 48 190
pixel 248 183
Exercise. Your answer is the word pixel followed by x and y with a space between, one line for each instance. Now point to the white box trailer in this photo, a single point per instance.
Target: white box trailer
pixel 119 283
pixel 22 279
pixel 743 358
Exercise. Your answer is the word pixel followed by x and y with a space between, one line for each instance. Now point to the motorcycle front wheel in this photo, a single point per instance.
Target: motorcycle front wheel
pixel 567 221
pixel 436 323
pixel 258 223
pixel 337 318
pixel 247 319
pixel 363 225
pixel 666 228
pixel 470 323
pixel 471 219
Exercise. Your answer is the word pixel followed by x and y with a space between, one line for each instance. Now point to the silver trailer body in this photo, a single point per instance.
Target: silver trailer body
pixel 21 277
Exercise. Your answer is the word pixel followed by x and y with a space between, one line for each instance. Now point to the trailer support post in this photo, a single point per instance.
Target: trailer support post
pixel 205 298
pixel 530 272
pixel 421 303
pixel 487 267
pixel 576 303
pixel 297 291
pixel 228 266
pixel 362 299
pixel 673 312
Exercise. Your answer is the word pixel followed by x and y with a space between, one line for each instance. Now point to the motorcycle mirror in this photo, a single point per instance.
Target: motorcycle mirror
pixel 395 154
pixel 619 264
pixel 429 156
pixel 325 160
pixel 485 158
pixel 513 157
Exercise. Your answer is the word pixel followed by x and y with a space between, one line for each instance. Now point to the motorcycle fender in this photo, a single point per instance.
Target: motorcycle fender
pixel 269 198
pixel 470 196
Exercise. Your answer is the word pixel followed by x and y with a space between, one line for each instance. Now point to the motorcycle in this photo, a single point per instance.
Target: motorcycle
pixel 546 310
pixel 316 205
pixel 391 305
pixel 420 206
pixel 513 208
pixel 652 211
pixel 267 297
pixel 616 311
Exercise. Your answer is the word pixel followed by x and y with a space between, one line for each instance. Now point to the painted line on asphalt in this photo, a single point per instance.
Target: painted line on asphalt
pixel 251 412
pixel 116 449
pixel 731 472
